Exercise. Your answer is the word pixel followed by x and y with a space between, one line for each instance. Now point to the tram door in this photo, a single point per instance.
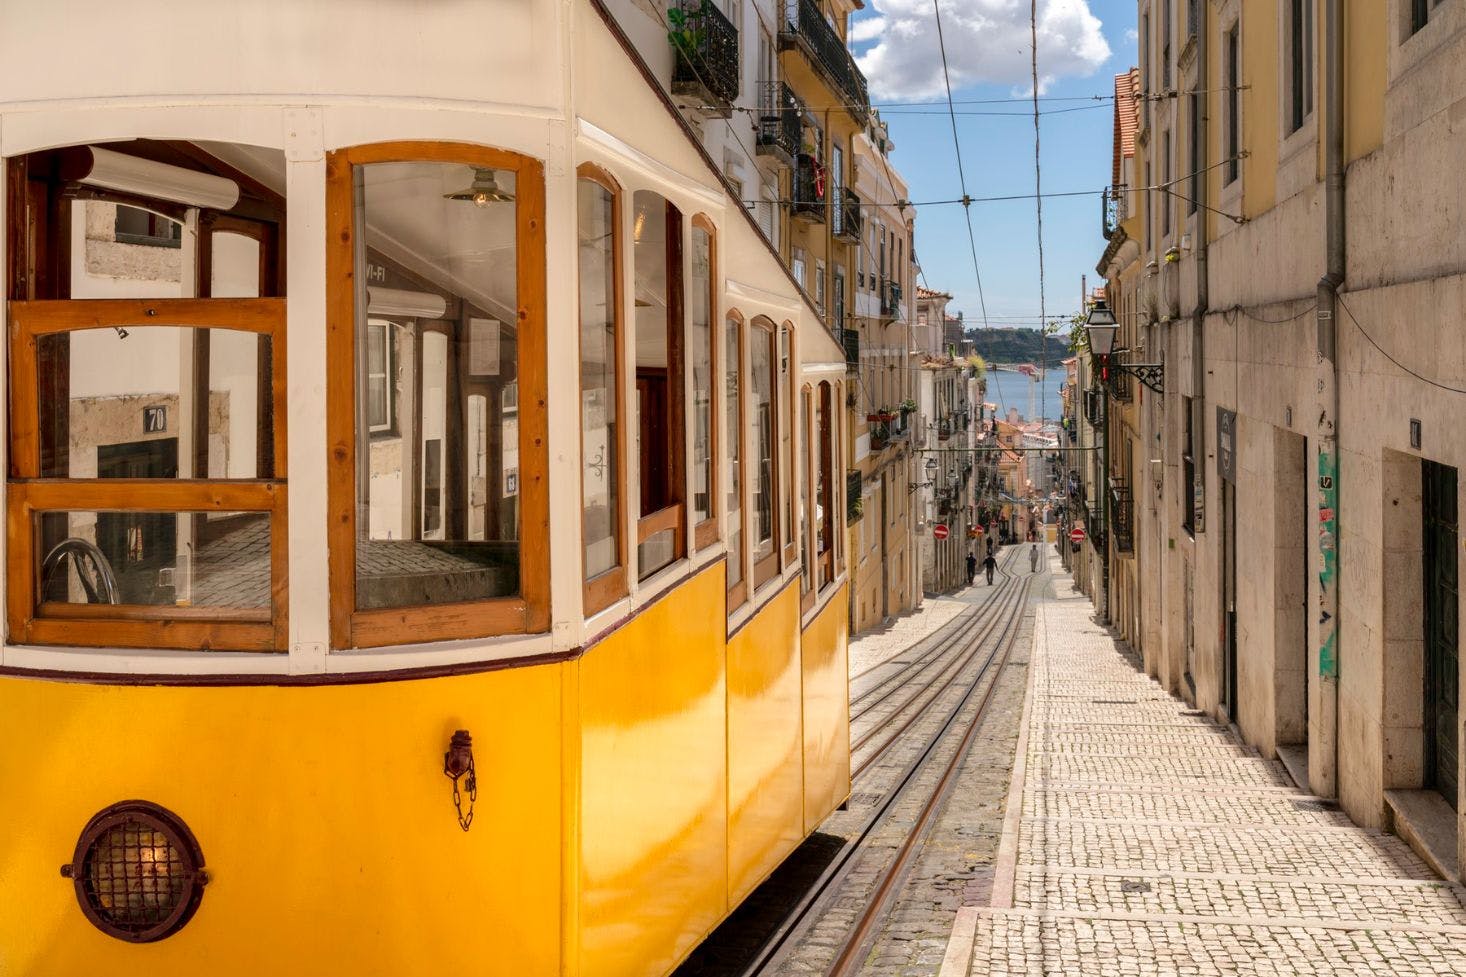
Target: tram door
pixel 140 546
pixel 1442 647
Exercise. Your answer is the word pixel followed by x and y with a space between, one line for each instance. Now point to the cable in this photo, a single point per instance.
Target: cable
pixel 961 176
pixel 1243 310
pixel 1386 355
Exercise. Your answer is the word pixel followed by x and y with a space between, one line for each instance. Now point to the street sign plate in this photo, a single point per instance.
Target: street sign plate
pixel 940 531
pixel 1076 535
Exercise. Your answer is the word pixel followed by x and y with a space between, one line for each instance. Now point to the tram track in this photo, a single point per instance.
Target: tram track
pixel 961 720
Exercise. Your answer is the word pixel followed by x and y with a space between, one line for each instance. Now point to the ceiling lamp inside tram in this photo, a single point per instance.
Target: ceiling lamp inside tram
pixel 483 191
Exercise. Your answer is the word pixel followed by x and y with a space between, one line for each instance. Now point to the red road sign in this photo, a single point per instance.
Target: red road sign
pixel 1076 535
pixel 940 531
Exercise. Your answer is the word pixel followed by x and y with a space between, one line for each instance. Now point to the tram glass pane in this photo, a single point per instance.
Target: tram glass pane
pixel 806 571
pixel 155 402
pixel 762 370
pixel 700 355
pixel 733 473
pixel 437 382
pixel 119 251
pixel 786 448
pixel 601 475
pixel 161 559
pixel 822 514
pixel 234 266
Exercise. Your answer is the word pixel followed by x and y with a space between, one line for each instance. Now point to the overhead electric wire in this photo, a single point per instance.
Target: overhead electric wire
pixel 1039 205
pixel 1386 354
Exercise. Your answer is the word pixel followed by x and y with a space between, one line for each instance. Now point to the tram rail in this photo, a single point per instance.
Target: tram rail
pixel 998 640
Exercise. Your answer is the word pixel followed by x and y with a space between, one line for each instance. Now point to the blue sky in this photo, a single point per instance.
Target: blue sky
pixel 988 51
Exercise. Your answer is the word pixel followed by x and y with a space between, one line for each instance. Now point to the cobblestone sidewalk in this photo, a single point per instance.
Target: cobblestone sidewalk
pixel 1151 843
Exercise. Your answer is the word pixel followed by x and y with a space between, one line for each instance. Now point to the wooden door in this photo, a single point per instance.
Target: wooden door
pixel 1442 666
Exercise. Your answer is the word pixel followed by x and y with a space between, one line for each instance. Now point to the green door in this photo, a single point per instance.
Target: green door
pixel 1442 687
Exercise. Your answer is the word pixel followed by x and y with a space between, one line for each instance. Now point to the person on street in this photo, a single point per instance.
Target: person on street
pixel 1033 559
pixel 971 568
pixel 990 565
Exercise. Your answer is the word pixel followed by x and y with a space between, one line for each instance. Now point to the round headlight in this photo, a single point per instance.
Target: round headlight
pixel 138 872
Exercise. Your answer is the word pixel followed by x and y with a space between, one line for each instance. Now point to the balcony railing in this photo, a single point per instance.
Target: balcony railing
pixel 1094 406
pixel 806 28
pixel 809 190
pixel 890 299
pixel 706 46
pixel 1096 529
pixel 1121 516
pixel 1120 387
pixel 846 214
pixel 1113 210
pixel 779 122
pixel 850 339
pixel 854 503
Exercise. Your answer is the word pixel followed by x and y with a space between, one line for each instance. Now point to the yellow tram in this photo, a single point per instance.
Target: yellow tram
pixel 423 550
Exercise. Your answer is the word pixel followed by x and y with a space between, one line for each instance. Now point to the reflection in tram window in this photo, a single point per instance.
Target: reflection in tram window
pixel 437 441
pixel 824 515
pixel 733 470
pixel 214 560
pixel 700 355
pixel 599 389
pixel 806 567
pixel 657 258
pixel 786 442
pixel 154 402
pixel 761 371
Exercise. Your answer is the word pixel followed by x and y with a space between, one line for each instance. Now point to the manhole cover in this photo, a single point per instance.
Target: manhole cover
pixel 1130 885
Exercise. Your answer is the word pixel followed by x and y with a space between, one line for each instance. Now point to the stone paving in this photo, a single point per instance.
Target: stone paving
pixel 1150 842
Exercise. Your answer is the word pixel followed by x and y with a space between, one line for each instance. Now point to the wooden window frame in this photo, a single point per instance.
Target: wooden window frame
pixel 708 532
pixel 738 592
pixel 767 568
pixel 612 584
pixel 808 581
pixel 672 516
pixel 529 612
pixel 138 625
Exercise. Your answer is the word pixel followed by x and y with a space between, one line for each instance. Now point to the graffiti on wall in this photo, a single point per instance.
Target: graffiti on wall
pixel 1328 567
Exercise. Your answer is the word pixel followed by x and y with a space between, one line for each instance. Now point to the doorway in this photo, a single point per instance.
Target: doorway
pixel 1439 524
pixel 140 545
pixel 1229 600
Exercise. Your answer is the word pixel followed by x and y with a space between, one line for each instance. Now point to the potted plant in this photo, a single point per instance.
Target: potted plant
pixel 685 34
pixel 907 406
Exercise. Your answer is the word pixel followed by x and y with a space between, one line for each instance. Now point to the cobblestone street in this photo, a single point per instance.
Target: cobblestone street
pixel 1149 842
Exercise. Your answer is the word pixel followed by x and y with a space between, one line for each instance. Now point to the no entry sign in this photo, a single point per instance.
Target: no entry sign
pixel 940 531
pixel 1076 535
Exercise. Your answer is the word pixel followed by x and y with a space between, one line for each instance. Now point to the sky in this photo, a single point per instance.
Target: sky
pixel 1082 45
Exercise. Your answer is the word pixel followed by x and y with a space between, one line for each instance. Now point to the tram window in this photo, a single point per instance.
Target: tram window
pixel 219 561
pixel 733 468
pixel 766 473
pixel 824 515
pixel 438 436
pixel 442 296
pixel 600 393
pixel 786 398
pixel 121 252
pixel 108 398
pixel 806 567
pixel 700 357
pixel 657 259
pixel 234 265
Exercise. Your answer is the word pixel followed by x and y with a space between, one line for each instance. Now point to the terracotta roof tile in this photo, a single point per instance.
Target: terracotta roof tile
pixel 1127 120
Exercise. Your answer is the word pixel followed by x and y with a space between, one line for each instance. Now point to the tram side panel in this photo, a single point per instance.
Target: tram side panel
pixel 825 659
pixel 765 766
pixel 327 827
pixel 653 833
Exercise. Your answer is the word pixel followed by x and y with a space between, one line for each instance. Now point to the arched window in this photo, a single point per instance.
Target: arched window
pixel 435 260
pixel 733 458
pixel 657 262
pixel 701 349
pixel 764 398
pixel 602 396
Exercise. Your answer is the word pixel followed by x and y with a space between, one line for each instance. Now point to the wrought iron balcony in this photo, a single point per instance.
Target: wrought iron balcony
pixel 890 299
pixel 805 27
pixel 846 214
pixel 779 122
pixel 1113 209
pixel 1095 529
pixel 854 503
pixel 1122 514
pixel 1120 386
pixel 705 43
pixel 809 190
pixel 850 339
pixel 1094 406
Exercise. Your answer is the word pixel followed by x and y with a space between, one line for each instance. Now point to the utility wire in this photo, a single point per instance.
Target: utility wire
pixel 1039 205
pixel 1385 353
pixel 961 176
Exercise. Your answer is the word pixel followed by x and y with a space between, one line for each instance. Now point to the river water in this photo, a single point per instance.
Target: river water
pixel 1010 389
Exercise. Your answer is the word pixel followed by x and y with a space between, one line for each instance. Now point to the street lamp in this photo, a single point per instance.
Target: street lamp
pixel 1100 328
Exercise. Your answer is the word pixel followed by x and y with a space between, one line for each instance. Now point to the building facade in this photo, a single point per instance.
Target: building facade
pixel 1294 199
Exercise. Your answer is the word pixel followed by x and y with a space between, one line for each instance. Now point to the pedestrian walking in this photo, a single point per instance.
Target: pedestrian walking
pixel 1033 559
pixel 990 565
pixel 971 568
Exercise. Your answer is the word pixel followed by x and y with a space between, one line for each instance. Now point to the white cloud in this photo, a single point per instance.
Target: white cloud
pixel 987 41
pixel 1131 34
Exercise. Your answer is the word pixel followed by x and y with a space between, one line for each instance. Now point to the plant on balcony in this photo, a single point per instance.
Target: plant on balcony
pixel 907 406
pixel 879 435
pixel 686 37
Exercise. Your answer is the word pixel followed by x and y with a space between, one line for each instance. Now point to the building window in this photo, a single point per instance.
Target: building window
pixel 733 457
pixel 837 320
pixel 1145 73
pixel 602 435
pixel 657 264
pixel 1193 152
pixel 429 549
pixel 133 225
pixel 764 405
pixel 1420 13
pixel 700 341
pixel 819 285
pixel 1231 54
pixel 1300 63
pixel 1192 478
pixel 381 376
pixel 1167 188
pixel 1166 31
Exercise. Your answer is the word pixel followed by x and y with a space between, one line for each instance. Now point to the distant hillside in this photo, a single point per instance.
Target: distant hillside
pixel 1016 345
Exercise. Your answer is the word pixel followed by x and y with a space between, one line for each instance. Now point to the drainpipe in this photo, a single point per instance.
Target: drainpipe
pixel 1323 765
pixel 1203 285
